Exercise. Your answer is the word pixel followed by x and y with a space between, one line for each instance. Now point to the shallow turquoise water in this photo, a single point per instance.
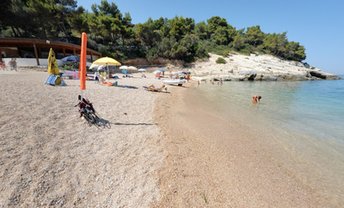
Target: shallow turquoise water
pixel 305 119
pixel 314 108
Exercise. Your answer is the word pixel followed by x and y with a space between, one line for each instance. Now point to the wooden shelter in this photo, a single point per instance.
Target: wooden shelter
pixel 38 48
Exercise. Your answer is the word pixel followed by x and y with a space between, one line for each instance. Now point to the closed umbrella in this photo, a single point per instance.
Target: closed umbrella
pixel 52 63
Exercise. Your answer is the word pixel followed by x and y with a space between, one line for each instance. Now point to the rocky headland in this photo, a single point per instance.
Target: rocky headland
pixel 238 67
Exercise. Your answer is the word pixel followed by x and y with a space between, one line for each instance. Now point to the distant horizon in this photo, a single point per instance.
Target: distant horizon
pixel 315 25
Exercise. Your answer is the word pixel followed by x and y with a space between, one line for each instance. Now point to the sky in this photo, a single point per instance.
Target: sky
pixel 318 25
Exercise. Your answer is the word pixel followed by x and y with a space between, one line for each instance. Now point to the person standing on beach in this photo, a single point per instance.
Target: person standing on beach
pixel 13 64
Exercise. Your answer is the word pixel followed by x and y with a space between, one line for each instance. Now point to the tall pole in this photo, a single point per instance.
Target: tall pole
pixel 82 66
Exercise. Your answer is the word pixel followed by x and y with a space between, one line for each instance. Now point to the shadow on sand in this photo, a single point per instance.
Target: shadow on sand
pixel 133 124
pixel 126 86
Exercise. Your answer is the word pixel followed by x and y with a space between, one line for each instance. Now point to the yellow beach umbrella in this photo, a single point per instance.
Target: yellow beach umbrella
pixel 105 61
pixel 52 63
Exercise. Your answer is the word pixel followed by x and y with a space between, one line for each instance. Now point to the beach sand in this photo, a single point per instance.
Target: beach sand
pixel 49 156
pixel 215 163
pixel 162 150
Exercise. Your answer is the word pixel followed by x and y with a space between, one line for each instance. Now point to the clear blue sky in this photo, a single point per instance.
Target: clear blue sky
pixel 316 24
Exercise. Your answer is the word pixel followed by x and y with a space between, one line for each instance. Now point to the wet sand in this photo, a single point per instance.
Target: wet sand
pixel 215 163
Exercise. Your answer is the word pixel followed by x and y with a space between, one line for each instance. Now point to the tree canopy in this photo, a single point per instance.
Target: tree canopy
pixel 113 34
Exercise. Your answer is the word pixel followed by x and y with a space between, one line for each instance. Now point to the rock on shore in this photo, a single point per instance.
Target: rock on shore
pixel 256 67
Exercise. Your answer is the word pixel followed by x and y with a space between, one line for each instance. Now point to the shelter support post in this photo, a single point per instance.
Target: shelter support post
pixel 36 54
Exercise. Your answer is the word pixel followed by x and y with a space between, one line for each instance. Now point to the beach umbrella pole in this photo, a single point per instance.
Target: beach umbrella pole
pixel 108 71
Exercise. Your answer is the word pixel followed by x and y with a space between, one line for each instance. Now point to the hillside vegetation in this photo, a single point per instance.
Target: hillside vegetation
pixel 113 33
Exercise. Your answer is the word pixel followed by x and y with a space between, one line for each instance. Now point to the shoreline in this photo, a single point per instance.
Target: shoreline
pixel 163 150
pixel 210 162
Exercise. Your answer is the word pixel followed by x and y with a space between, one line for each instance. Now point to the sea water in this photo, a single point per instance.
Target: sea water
pixel 306 119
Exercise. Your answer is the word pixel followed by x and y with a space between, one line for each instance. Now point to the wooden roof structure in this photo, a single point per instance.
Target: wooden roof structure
pixel 38 44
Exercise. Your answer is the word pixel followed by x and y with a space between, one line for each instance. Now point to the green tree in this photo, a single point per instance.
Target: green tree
pixel 275 44
pixel 220 31
pixel 221 36
pixel 215 22
pixel 201 30
pixel 38 18
pixel 180 26
pixel 113 33
pixel 238 42
pixel 254 36
pixel 111 30
pixel 79 21
pixel 295 51
pixel 186 49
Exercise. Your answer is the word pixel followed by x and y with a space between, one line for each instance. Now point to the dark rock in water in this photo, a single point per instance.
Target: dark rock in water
pixel 265 77
pixel 251 77
pixel 260 77
pixel 317 74
pixel 323 75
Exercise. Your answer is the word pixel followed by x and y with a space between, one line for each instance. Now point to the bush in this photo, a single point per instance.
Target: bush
pixel 220 50
pixel 221 60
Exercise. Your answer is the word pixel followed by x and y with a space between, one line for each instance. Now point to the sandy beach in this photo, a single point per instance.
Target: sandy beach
pixel 162 150
pixel 51 157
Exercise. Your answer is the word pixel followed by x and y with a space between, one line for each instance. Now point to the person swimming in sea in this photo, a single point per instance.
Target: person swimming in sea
pixel 256 99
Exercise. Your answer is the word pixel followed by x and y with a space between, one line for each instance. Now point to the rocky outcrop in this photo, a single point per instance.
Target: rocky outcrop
pixel 322 75
pixel 256 68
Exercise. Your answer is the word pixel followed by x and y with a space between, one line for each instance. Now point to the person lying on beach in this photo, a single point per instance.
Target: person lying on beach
pixel 256 99
pixel 155 89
